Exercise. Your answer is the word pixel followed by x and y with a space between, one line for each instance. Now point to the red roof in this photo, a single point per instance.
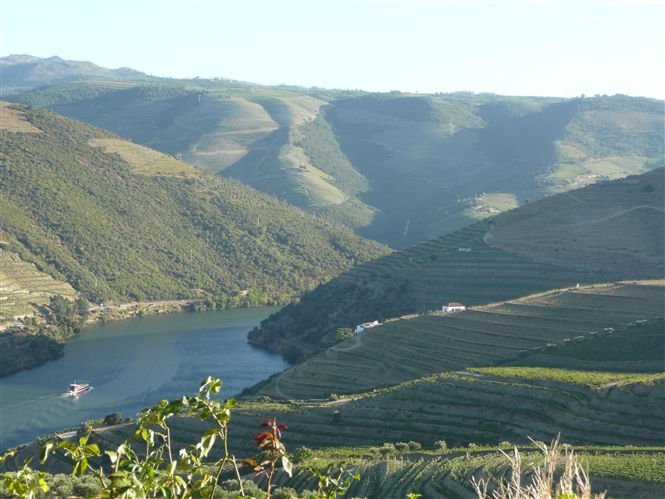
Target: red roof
pixel 455 304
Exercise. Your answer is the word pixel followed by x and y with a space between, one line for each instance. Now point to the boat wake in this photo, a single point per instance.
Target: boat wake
pixel 69 395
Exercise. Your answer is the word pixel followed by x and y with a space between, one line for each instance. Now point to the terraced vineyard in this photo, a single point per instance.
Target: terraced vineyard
pixel 449 475
pixel 472 413
pixel 458 267
pixel 483 335
pixel 146 161
pixel 22 285
pixel 617 225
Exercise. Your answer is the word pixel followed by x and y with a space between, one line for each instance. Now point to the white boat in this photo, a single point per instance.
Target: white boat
pixel 78 387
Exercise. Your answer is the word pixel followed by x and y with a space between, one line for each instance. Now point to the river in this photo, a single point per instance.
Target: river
pixel 133 364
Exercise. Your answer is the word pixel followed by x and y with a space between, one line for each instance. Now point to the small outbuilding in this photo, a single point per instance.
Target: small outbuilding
pixel 454 307
pixel 366 325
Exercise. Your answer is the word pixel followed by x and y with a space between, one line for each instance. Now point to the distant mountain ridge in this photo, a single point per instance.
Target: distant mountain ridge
pixel 25 72
pixel 395 167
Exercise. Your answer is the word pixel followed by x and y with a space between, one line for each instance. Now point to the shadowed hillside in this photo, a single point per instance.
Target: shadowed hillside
pixel 614 224
pixel 397 168
pixel 418 346
pixel 469 267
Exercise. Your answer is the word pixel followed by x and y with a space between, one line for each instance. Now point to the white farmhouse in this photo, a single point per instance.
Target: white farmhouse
pixel 366 325
pixel 453 306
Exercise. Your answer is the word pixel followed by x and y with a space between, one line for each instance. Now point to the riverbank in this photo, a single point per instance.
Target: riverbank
pixel 29 342
pixel 116 312
pixel 133 364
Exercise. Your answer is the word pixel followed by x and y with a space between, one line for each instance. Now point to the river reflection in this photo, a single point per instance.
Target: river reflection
pixel 133 364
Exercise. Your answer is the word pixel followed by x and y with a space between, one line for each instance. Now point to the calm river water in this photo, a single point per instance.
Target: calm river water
pixel 133 364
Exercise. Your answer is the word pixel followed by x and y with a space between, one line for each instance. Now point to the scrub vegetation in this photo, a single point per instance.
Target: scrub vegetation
pixel 394 167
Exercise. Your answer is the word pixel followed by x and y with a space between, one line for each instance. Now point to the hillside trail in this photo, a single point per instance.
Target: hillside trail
pixel 621 213
pixel 574 198
pixel 488 235
pixel 357 341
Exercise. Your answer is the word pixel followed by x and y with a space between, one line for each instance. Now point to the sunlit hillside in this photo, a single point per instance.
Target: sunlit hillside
pixel 397 168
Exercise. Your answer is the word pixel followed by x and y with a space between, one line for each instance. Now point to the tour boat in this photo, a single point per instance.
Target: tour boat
pixel 78 387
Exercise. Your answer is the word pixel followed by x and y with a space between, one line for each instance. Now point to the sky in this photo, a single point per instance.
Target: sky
pixel 553 48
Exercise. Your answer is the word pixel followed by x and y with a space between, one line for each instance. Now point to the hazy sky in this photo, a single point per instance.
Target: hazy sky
pixel 516 48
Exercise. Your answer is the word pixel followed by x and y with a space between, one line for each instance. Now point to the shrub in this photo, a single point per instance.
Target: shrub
pixel 402 447
pixel 414 446
pixel 284 493
pixel 387 449
pixel 113 419
pixel 87 486
pixel 336 417
pixel 302 454
pixel 62 485
pixel 440 445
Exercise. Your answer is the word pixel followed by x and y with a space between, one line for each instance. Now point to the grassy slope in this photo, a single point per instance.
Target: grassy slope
pixel 472 411
pixel 484 335
pixel 430 274
pixel 618 224
pixel 395 167
pixel 147 226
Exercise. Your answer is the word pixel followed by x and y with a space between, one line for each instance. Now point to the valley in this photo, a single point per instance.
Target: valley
pixel 372 162
pixel 129 196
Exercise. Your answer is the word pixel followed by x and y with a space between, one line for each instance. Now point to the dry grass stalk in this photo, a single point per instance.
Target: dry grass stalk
pixel 573 483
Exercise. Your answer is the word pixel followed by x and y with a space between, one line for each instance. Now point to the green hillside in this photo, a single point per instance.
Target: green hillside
pixel 475 267
pixel 432 434
pixel 610 225
pixel 544 325
pixel 25 72
pixel 397 168
pixel 118 221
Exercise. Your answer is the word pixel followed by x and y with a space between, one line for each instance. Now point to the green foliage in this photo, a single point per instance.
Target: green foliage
pixel 440 445
pixel 633 466
pixel 414 446
pixel 37 342
pixel 341 334
pixel 485 275
pixel 402 447
pixel 586 378
pixel 116 235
